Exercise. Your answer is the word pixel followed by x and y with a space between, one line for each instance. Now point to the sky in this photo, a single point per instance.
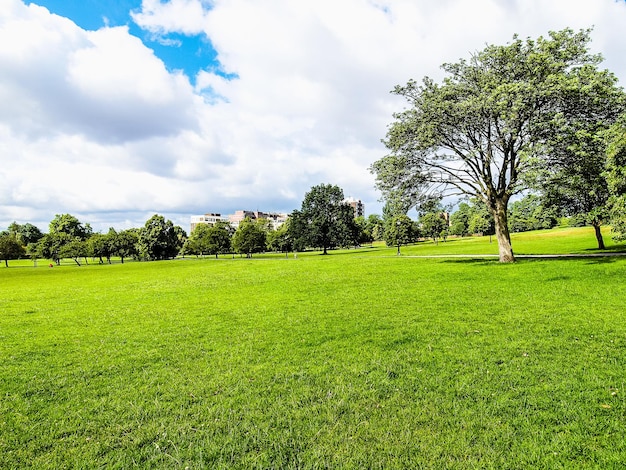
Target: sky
pixel 114 110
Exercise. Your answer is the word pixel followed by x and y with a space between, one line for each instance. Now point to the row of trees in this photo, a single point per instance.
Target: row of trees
pixel 533 115
pixel 69 238
pixel 324 221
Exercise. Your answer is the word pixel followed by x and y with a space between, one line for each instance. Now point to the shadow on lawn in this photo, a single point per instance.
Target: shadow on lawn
pixel 586 259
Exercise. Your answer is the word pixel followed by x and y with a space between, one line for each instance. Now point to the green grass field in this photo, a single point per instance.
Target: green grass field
pixel 359 359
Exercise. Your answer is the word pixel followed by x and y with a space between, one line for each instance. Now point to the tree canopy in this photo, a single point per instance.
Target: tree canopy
pixel 324 220
pixel 250 237
pixel 487 127
pixel 160 239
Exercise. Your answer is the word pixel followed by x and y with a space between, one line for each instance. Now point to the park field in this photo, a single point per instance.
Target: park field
pixel 359 359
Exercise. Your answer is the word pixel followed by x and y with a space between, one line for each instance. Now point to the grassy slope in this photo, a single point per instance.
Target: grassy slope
pixel 348 360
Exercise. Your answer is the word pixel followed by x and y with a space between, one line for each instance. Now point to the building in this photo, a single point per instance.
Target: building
pixel 357 205
pixel 208 219
pixel 276 219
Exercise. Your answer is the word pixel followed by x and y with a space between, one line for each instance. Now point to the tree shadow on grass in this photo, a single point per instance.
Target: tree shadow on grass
pixel 598 259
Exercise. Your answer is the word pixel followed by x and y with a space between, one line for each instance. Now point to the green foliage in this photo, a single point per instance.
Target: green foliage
pixel 572 178
pixel 26 233
pixel 529 213
pixel 67 223
pixel 125 243
pixel 250 237
pixel 616 176
pixel 159 239
pixel 459 220
pixel 433 224
pixel 324 220
pixel 10 248
pixel 399 231
pixel 485 128
pixel 50 246
pixel 301 364
pixel 280 239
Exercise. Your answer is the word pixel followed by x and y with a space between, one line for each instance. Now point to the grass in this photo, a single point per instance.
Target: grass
pixel 352 360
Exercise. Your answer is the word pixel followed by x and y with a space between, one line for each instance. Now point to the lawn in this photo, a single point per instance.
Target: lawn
pixel 352 360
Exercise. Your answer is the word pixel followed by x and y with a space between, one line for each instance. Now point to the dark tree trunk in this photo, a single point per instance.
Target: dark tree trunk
pixel 599 238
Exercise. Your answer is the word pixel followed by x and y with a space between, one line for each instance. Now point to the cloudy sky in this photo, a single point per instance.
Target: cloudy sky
pixel 115 110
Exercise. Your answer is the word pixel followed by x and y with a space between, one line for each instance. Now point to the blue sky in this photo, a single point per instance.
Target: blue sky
pixel 190 53
pixel 275 96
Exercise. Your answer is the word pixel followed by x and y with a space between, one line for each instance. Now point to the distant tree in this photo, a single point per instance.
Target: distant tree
pixel 67 223
pixel 197 243
pixel 10 248
pixel 249 238
pixel 280 239
pixel 74 249
pixel 51 246
pixel 324 220
pixel 101 245
pixel 32 250
pixel 376 226
pixel 399 231
pixel 572 177
pixel 529 213
pixel 26 233
pixel 433 224
pixel 364 230
pixel 125 244
pixel 220 239
pixel 480 224
pixel 159 239
pixel 459 220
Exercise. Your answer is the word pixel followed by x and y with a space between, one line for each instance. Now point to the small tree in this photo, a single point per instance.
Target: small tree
pixel 433 224
pixel 124 244
pixel 74 249
pixel 399 231
pixel 220 239
pixel 280 239
pixel 10 248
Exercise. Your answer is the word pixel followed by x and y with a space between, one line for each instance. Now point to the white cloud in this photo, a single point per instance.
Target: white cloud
pixel 93 122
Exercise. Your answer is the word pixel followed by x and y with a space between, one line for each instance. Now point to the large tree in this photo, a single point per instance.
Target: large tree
pixel 325 220
pixel 482 130
pixel 572 179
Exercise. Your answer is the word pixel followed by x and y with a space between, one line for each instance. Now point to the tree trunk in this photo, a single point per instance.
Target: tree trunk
pixel 500 217
pixel 601 246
